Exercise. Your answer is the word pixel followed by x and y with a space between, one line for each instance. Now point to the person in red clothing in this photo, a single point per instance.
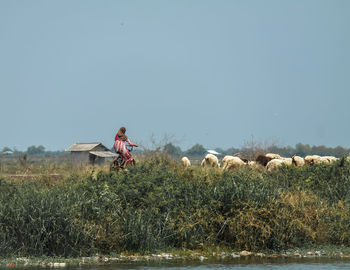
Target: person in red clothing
pixel 120 147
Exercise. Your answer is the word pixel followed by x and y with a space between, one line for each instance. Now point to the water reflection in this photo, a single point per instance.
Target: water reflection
pixel 237 264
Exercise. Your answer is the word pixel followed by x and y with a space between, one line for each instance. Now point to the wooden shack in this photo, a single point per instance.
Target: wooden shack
pixel 90 153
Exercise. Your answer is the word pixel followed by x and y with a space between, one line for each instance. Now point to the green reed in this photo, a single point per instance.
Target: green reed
pixel 159 205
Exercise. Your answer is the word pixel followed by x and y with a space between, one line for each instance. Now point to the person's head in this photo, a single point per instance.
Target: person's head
pixel 123 130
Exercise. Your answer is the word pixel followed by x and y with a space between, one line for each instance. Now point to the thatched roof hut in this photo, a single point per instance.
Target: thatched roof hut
pixel 90 153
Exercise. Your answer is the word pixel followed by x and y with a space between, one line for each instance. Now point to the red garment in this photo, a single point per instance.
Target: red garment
pixel 120 147
pixel 122 137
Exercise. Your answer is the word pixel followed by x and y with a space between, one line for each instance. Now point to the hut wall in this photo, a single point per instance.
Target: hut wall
pixel 100 160
pixel 80 157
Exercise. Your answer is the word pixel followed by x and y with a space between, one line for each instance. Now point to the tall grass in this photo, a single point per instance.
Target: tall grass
pixel 158 204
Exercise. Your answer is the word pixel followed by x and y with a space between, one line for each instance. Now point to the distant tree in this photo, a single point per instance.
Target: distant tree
pixel 196 150
pixel 35 150
pixel 172 150
pixel 5 149
pixel 285 151
pixel 305 149
pixel 320 150
pixel 340 151
pixel 15 150
pixel 275 149
pixel 302 149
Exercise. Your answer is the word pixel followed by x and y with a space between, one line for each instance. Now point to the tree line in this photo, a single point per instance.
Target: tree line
pixel 249 150
pixel 31 150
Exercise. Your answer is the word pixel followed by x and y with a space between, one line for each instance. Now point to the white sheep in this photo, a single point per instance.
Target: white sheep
pixel 324 160
pixel 225 159
pixel 298 161
pixel 231 162
pixel 287 161
pixel 210 160
pixel 273 164
pixel 186 162
pixel 272 155
pixel 330 158
pixel 252 163
pixel 312 159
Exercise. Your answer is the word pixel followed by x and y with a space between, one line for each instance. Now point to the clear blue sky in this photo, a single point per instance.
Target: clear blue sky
pixel 209 72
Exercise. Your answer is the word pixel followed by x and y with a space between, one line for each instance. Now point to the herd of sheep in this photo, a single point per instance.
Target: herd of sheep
pixel 270 161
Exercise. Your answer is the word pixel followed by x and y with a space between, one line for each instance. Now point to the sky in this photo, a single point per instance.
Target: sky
pixel 219 73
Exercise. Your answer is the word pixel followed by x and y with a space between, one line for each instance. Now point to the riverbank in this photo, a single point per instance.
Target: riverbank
pixel 160 206
pixel 296 255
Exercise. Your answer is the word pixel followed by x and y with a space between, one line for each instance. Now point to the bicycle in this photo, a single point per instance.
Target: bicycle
pixel 118 163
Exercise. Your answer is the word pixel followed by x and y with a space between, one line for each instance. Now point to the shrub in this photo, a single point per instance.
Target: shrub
pixel 158 204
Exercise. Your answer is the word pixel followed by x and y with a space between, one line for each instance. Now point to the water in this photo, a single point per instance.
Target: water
pixel 239 264
pixel 291 266
pixel 205 266
pixel 307 264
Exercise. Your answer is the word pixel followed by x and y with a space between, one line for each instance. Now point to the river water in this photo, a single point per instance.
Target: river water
pixel 236 264
pixel 205 266
pixel 305 264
